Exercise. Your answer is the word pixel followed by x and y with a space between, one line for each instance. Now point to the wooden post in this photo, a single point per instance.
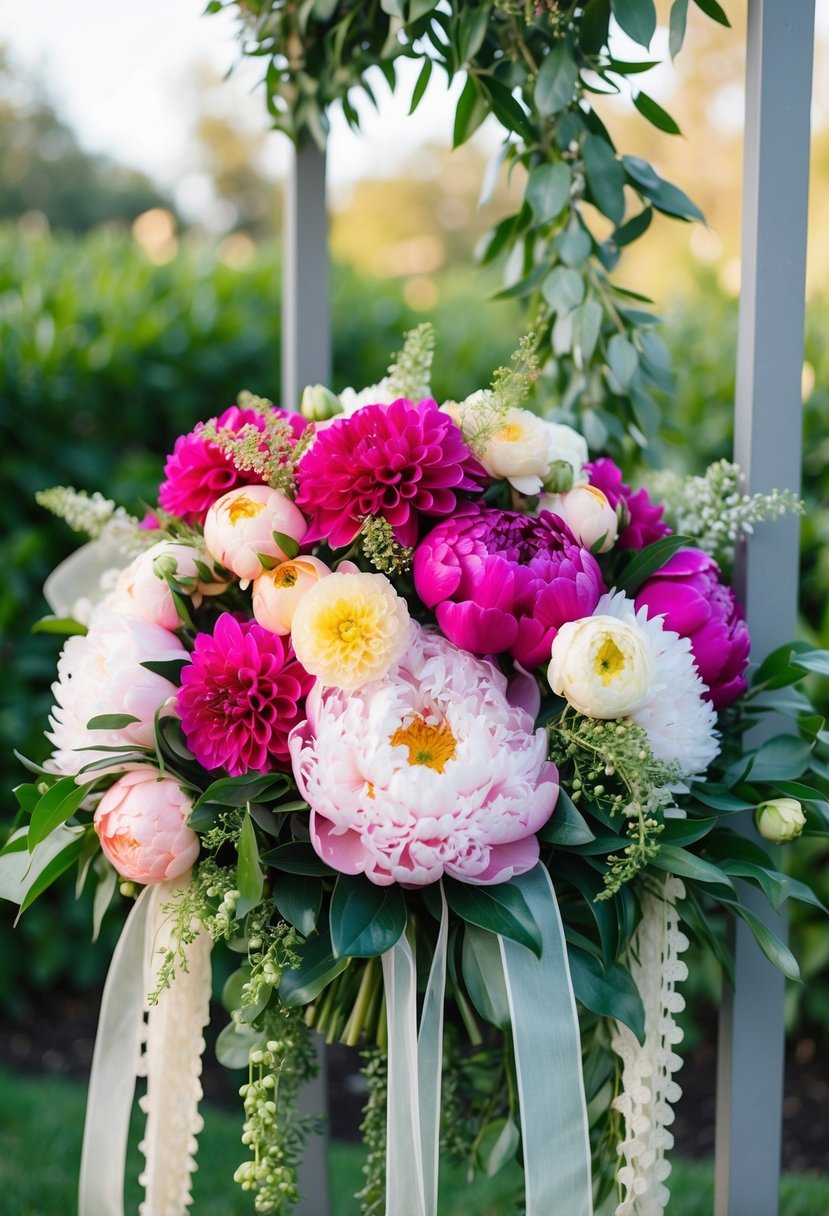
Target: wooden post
pixel 306 359
pixel 768 443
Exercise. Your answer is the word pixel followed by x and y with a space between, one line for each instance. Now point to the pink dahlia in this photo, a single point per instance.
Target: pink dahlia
pixel 400 461
pixel 198 472
pixel 641 523
pixel 240 697
pixel 429 771
pixel 501 581
pixel 688 594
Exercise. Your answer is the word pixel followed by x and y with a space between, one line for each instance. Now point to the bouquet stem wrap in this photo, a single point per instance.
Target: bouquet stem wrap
pixel 547 1048
pixel 172 1064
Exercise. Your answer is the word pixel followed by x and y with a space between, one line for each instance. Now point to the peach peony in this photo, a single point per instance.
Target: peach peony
pixel 141 823
pixel 240 526
pixel 277 592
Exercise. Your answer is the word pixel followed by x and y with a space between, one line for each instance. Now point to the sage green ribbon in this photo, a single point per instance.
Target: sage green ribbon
pixel 547 1048
pixel 414 1077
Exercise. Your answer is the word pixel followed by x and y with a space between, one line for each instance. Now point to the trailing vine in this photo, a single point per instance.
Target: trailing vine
pixel 537 68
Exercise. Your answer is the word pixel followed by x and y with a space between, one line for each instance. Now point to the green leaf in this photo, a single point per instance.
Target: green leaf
pixel 650 559
pixel 506 108
pixel 637 18
pixel 501 909
pixel 557 80
pixel 472 32
pixel 105 888
pixel 776 887
pixel 27 796
pixel 170 669
pixel 238 791
pixel 504 1148
pixel 317 968
pixel 366 920
pixel 296 857
pixel 248 870
pixel 234 1044
pixel 782 758
pixel 66 626
pixel 664 196
pixel 287 544
pixel 467 113
pixel 567 826
pixel 548 189
pixel 813 660
pixel 51 871
pixel 605 177
pixel 421 85
pixel 111 722
pixel 299 900
pixel 687 865
pixel 622 359
pixel 19 869
pixel 54 808
pixel 587 323
pixel 563 289
pixel 713 10
pixel 778 954
pixel 634 228
pixel 483 974
pixel 685 831
pixel 678 21
pixel 574 243
pixel 632 67
pixel 655 114
pixel 608 991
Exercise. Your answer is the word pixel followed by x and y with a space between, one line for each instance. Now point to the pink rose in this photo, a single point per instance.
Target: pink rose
pixel 277 592
pixel 141 823
pixel 239 529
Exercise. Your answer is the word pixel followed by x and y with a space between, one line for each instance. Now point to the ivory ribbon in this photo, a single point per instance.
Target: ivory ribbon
pixel 414 1077
pixel 547 1047
pixel 117 1061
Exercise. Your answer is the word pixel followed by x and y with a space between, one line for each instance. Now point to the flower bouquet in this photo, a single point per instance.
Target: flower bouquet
pixel 437 725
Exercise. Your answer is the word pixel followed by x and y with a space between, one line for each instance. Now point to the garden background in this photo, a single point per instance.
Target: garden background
pixel 130 309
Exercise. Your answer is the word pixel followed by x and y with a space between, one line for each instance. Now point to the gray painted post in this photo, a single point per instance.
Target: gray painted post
pixel 306 359
pixel 768 443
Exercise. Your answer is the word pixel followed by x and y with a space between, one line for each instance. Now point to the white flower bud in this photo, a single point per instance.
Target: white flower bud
pixel 780 819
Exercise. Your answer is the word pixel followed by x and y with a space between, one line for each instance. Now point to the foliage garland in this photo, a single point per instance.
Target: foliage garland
pixel 537 69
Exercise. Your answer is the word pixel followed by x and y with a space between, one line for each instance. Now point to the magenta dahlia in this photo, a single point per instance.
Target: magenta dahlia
pixel 641 523
pixel 502 581
pixel 198 472
pixel 400 461
pixel 692 601
pixel 240 697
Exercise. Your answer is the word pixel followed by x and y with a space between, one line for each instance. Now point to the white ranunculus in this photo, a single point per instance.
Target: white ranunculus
pixel 780 819
pixel 602 666
pixel 373 394
pixel 517 451
pixel 587 513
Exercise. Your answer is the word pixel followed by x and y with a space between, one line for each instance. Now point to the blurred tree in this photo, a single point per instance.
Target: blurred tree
pixel 44 169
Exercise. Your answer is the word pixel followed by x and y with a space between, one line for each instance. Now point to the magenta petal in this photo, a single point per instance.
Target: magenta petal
pixel 478 630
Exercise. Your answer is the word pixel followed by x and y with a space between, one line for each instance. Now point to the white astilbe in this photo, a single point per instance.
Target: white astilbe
pixel 172 1060
pixel 89 513
pixel 648 1089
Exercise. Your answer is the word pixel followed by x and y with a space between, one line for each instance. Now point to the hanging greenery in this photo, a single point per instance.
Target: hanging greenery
pixel 537 69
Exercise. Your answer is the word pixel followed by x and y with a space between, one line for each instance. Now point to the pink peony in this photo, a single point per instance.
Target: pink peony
pixel 402 462
pixel 688 594
pixel 430 771
pixel 641 523
pixel 141 823
pixel 240 696
pixel 241 529
pixel 501 581
pixel 100 674
pixel 198 472
pixel 277 593
pixel 142 591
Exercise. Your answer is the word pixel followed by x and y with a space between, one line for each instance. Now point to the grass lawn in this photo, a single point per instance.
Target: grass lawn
pixel 41 1123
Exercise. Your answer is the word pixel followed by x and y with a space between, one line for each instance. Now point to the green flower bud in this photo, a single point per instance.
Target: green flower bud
pixel 780 819
pixel 319 403
pixel 560 477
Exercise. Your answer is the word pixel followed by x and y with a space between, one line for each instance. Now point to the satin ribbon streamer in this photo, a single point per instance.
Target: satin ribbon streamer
pixel 414 1078
pixel 547 1046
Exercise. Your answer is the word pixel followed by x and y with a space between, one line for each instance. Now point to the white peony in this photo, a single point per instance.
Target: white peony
pixel 101 673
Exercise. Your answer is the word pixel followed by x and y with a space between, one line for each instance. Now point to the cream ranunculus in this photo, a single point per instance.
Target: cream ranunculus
pixel 517 451
pixel 602 666
pixel 588 514
pixel 277 592
pixel 780 819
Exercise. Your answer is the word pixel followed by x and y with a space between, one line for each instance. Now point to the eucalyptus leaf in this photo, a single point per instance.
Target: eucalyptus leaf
pixel 605 177
pixel 637 18
pixel 677 23
pixel 557 78
pixel 548 189
pixel 234 1044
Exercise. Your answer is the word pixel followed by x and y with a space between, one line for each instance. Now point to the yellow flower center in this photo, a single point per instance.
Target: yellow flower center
pixel 349 631
pixel 244 508
pixel 285 575
pixel 609 662
pixel 511 432
pixel 429 743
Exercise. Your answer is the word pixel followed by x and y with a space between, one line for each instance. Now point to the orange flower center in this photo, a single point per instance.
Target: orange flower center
pixel 285 575
pixel 244 508
pixel 428 743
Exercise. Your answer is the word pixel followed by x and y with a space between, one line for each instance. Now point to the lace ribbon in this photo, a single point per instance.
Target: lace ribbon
pixel 172 1063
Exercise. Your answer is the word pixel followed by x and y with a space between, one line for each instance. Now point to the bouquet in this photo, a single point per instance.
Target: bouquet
pixel 437 724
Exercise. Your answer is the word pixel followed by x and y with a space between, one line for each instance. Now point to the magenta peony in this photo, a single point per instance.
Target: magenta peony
pixel 141 823
pixel 403 461
pixel 198 472
pixel 688 594
pixel 641 523
pixel 240 696
pixel 429 771
pixel 501 581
